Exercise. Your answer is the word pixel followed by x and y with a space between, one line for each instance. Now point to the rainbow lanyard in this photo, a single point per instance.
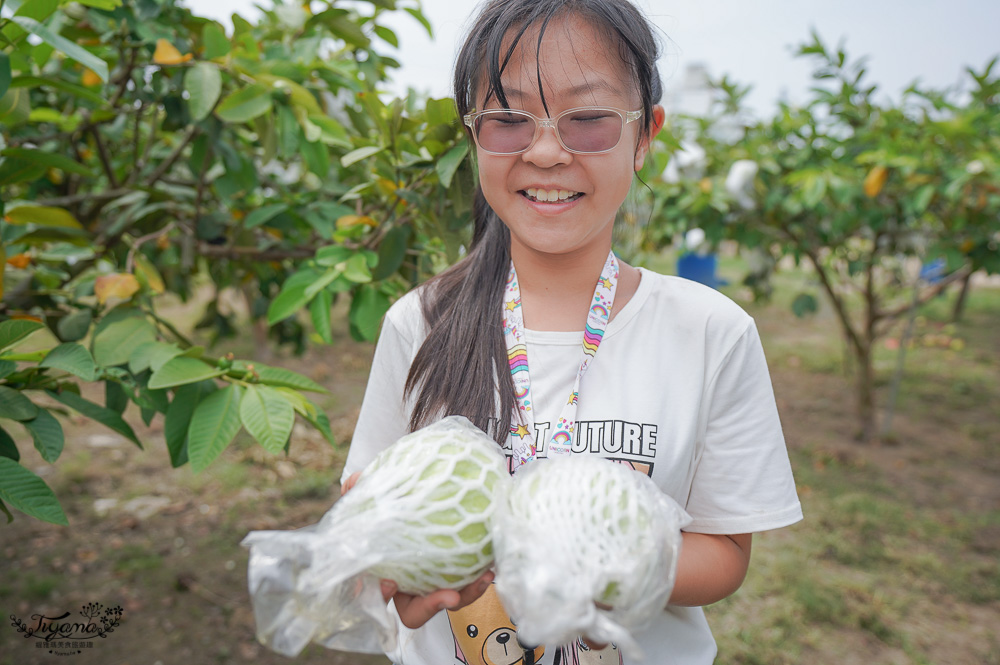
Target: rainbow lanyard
pixel 522 434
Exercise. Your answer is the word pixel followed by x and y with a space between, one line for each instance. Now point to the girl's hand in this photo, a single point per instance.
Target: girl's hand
pixel 415 611
pixel 349 483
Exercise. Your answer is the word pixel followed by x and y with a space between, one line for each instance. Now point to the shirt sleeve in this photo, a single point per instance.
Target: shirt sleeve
pixel 743 479
pixel 384 416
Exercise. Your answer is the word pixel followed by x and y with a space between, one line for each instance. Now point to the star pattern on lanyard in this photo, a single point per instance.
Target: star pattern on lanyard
pixel 522 440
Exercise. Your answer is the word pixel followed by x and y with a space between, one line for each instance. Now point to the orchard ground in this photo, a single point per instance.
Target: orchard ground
pixel 896 562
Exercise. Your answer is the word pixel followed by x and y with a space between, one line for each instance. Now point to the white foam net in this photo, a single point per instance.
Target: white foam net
pixel 421 514
pixel 586 547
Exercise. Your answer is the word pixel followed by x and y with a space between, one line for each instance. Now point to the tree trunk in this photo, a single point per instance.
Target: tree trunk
pixel 959 310
pixel 866 395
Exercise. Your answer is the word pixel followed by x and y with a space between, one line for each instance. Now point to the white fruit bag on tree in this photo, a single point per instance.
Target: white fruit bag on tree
pixel 586 547
pixel 421 514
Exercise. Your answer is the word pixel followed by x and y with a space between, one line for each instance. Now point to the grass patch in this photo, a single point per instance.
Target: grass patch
pixel 39 587
pixel 135 559
pixel 309 484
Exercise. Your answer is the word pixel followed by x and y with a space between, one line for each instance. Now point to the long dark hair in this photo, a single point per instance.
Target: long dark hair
pixel 462 368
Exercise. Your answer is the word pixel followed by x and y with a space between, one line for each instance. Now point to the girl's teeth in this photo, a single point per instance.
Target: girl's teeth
pixel 550 194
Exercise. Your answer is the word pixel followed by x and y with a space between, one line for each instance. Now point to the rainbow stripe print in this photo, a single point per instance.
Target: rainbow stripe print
pixel 517 358
pixel 591 340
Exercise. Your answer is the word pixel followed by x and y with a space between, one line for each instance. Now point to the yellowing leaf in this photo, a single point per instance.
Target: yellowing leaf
pixel 119 285
pixel 19 260
pixel 386 186
pixel 44 216
pixel 875 180
pixel 347 221
pixel 167 54
pixel 90 78
pixel 147 274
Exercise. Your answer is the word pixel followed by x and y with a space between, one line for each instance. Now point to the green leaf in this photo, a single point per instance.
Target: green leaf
pixel 114 343
pixel 289 301
pixel 8 448
pixel 203 83
pixel 320 284
pixel 320 311
pixel 115 397
pixel 181 370
pixel 15 406
pixel 7 367
pixel 214 424
pixel 73 358
pixel 15 107
pixel 279 376
pixel 267 416
pixel 391 252
pixel 314 416
pixel 331 255
pixel 60 43
pixel 96 412
pixel 264 214
pixel 14 330
pixel 359 154
pixel 28 493
pixel 14 170
pixel 47 160
pixel 357 270
pixel 387 34
pixel 73 89
pixel 447 165
pixel 5 75
pixel 44 216
pixel 417 14
pixel 216 43
pixel 47 434
pixel 245 105
pixel 804 305
pixel 106 5
pixel 152 355
pixel 367 309
pixel 178 418
pixel 75 326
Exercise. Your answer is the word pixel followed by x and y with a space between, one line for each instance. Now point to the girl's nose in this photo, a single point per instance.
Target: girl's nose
pixel 547 152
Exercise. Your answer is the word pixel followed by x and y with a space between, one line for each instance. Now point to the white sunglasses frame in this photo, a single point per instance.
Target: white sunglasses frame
pixel 627 117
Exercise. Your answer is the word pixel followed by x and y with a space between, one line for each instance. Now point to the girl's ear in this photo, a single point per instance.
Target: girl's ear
pixel 656 124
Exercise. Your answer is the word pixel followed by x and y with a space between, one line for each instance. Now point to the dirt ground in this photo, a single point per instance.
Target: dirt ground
pixel 164 544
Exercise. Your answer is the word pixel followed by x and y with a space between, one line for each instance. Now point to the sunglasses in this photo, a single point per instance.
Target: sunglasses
pixel 586 130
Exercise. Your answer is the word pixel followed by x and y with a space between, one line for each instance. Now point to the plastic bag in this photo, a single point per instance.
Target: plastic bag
pixel 586 547
pixel 421 514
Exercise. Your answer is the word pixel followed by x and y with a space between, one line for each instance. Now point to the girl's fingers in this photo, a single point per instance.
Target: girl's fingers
pixel 388 589
pixel 349 483
pixel 469 594
pixel 415 611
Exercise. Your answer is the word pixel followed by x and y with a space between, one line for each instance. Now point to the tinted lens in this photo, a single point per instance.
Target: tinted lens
pixel 590 130
pixel 505 132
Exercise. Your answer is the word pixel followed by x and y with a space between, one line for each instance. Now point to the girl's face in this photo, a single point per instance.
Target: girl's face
pixel 578 68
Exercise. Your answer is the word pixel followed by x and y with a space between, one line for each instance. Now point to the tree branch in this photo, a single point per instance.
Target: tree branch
pixel 254 253
pixel 103 154
pixel 64 201
pixel 926 296
pixel 838 305
pixel 167 163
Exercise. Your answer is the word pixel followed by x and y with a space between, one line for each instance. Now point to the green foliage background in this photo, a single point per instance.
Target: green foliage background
pixel 145 149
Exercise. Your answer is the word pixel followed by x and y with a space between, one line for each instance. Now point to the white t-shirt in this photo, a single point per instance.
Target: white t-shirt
pixel 679 389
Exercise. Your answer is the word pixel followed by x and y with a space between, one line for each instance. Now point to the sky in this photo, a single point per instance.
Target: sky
pixel 751 41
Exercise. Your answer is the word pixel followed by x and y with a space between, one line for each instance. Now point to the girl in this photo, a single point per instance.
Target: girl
pixel 548 342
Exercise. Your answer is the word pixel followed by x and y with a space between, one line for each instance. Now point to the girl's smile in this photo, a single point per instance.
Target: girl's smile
pixel 557 202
